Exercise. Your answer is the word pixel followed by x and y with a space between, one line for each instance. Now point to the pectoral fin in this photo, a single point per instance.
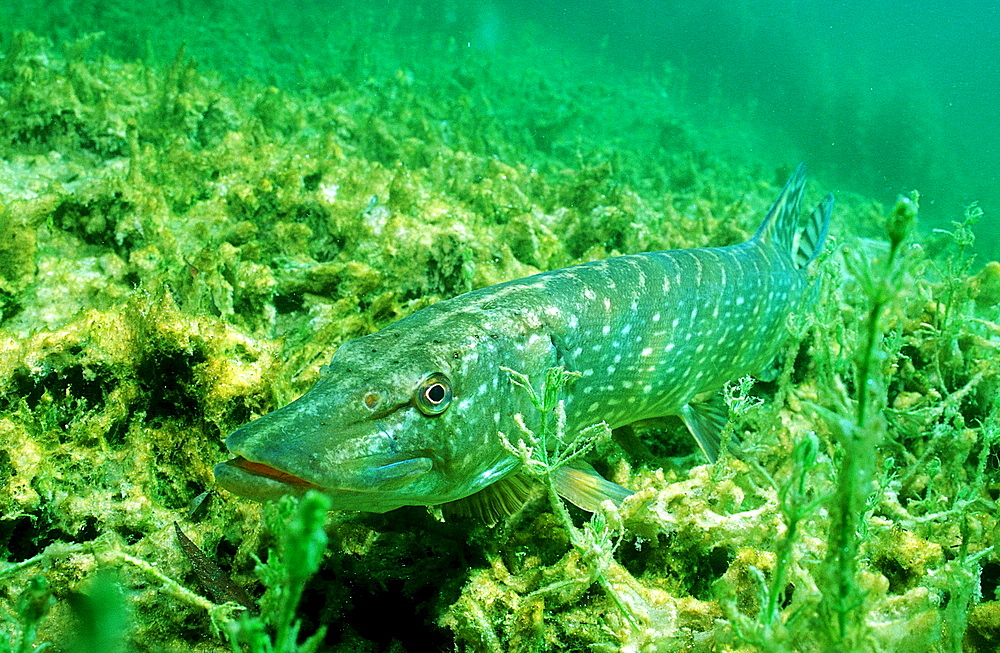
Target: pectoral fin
pixel 706 420
pixel 496 501
pixel 581 485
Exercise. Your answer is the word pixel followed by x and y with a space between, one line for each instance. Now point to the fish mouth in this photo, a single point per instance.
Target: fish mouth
pixel 258 481
pixel 260 469
pixel 262 482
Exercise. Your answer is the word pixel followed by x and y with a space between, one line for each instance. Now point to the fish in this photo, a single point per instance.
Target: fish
pixel 411 415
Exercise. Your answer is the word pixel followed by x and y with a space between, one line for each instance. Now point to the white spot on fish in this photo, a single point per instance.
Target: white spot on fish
pixel 656 317
pixel 647 351
pixel 626 329
pixel 589 294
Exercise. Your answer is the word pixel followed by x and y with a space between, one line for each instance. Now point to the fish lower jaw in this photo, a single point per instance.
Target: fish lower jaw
pixel 258 481
pixel 266 471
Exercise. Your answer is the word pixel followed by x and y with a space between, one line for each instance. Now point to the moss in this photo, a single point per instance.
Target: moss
pixel 984 627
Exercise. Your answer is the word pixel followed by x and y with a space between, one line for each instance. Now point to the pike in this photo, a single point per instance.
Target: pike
pixel 410 414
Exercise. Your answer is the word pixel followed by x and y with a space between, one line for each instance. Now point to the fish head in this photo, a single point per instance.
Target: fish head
pixel 398 418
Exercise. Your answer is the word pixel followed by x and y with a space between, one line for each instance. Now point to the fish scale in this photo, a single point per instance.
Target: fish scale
pixel 669 322
pixel 410 415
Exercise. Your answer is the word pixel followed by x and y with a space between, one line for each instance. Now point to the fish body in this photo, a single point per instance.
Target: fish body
pixel 410 415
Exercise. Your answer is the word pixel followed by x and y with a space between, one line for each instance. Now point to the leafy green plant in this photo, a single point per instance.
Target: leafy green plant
pixel 19 632
pixel 769 629
pixel 858 430
pixel 299 526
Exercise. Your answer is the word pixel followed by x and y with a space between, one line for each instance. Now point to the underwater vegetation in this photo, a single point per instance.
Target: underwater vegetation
pixel 180 254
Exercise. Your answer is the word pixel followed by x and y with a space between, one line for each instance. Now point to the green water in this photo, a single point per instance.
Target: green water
pixel 878 99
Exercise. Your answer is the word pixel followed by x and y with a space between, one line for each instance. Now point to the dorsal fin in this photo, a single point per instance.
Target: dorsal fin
pixel 780 227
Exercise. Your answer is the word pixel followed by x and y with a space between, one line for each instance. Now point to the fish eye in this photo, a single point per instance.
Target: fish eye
pixel 433 394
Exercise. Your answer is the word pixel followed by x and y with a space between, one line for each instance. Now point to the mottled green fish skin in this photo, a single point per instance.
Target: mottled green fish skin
pixel 649 334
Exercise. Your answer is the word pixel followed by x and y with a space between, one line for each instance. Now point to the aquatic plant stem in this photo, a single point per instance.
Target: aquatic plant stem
pixel 591 542
pixel 859 439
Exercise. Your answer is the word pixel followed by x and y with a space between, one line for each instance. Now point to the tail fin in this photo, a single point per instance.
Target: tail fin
pixel 780 227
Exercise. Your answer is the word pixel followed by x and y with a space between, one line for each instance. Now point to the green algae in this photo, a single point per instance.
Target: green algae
pixel 179 254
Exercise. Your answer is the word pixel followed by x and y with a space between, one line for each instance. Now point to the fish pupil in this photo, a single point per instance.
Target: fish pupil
pixel 435 393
